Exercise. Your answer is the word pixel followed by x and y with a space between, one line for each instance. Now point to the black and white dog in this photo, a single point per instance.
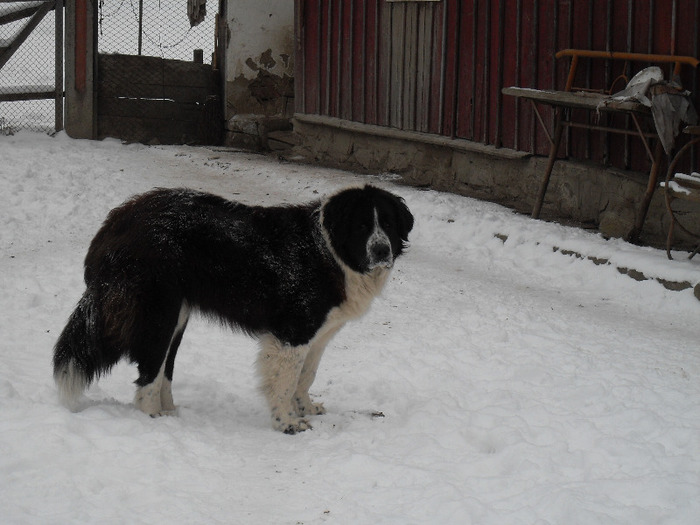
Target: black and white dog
pixel 289 275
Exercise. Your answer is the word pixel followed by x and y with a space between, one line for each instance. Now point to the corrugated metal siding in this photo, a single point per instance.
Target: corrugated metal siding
pixel 438 67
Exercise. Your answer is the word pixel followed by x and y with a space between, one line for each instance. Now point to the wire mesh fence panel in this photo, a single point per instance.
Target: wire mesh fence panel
pixel 29 71
pixel 159 28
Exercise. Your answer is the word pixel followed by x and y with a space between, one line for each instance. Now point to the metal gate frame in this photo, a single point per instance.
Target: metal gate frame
pixel 35 12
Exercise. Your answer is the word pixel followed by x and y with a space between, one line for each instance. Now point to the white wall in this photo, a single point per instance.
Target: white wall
pixel 259 55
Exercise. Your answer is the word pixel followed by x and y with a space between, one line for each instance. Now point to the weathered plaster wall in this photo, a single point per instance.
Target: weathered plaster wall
pixel 590 194
pixel 259 64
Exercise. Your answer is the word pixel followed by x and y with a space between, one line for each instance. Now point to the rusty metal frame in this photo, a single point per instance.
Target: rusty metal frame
pixel 560 123
pixel 670 195
pixel 575 54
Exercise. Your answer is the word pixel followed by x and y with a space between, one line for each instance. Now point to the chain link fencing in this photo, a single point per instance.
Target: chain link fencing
pixel 158 28
pixel 31 69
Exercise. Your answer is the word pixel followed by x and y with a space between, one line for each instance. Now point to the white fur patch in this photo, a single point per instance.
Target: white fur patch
pixel 166 397
pixel 156 398
pixel 71 384
pixel 279 366
pixel 147 398
pixel 379 238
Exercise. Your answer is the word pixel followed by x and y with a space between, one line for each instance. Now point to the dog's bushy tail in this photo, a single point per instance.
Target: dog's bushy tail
pixel 78 354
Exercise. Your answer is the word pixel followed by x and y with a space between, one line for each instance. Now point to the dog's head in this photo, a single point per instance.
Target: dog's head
pixel 367 227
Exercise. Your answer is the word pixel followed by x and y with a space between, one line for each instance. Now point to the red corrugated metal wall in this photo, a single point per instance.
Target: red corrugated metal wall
pixel 438 67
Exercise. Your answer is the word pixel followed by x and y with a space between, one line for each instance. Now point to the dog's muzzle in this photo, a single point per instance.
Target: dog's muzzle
pixel 379 254
pixel 379 247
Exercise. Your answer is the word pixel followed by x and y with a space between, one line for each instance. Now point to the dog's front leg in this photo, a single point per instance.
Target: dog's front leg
pixel 304 405
pixel 279 366
pixel 302 402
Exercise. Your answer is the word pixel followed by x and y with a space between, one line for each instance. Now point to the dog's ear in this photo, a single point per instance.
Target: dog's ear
pixel 336 212
pixel 405 218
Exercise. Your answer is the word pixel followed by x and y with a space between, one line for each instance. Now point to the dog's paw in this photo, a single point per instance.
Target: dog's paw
pixel 292 426
pixel 305 407
pixel 162 413
pixel 313 409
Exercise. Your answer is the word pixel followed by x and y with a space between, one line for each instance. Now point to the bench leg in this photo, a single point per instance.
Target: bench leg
pixel 633 235
pixel 556 139
pixel 669 237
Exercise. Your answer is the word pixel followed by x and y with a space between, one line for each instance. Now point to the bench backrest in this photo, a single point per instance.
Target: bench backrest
pixel 576 54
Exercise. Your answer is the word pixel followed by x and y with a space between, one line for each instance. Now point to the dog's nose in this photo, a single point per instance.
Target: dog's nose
pixel 381 252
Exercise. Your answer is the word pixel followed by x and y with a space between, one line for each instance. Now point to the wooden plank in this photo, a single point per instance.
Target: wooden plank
pixel 371 74
pixel 507 115
pixel 471 125
pixel 425 26
pixel 346 81
pixel 326 68
pixel 125 69
pixel 177 73
pixel 301 54
pixel 384 74
pixel 334 31
pixel 459 92
pixel 196 130
pixel 149 109
pixel 452 40
pixel 187 94
pixel 155 78
pixel 182 94
pixel 148 130
pixel 359 31
pixel 108 89
pixel 577 99
pixel 398 42
pixel 408 104
pixel 436 92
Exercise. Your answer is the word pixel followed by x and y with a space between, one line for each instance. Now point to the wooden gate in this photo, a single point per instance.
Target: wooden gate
pixel 113 92
pixel 154 100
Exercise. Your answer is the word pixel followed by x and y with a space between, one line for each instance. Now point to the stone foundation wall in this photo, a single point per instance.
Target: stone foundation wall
pixel 583 193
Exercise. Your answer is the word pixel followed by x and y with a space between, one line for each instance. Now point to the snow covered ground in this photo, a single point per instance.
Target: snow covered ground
pixel 494 382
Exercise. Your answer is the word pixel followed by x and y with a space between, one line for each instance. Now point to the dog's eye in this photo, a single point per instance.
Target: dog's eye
pixel 384 222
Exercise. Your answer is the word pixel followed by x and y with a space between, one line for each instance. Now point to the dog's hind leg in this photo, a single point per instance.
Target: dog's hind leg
pixel 166 394
pixel 159 332
pixel 279 366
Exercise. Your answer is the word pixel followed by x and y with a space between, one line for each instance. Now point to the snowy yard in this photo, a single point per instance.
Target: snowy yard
pixel 496 381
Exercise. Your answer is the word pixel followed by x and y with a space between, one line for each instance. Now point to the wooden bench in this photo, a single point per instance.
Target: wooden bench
pixel 577 98
pixel 684 187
